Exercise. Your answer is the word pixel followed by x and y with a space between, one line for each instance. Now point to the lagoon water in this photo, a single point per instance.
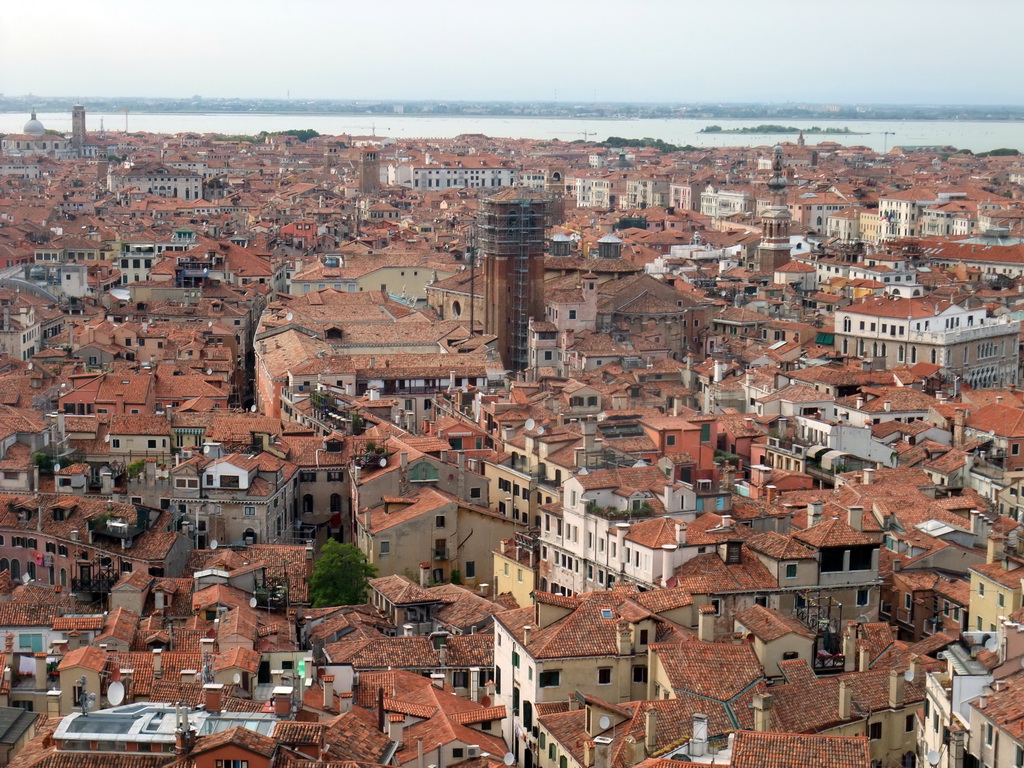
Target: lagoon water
pixel 978 136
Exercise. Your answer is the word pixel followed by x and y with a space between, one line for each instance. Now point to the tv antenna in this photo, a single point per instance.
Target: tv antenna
pixel 86 700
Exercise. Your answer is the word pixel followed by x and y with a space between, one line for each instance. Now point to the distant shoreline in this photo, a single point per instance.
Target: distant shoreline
pixel 781 130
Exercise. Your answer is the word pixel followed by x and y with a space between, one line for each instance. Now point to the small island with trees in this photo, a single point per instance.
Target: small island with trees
pixel 768 128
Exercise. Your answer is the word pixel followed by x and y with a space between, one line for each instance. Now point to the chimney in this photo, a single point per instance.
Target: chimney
pixel 282 697
pixel 158 666
pixel 959 422
pixel 814 512
pixel 762 712
pixel 407 630
pixel 857 518
pixel 706 624
pixel 887 405
pixel 396 724
pixel 526 635
pixel 74 640
pixel 40 660
pixel 602 752
pixel 850 647
pixel 699 739
pixel 867 476
pixel 651 730
pixel 327 681
pixel 896 682
pixel 860 402
pixel 188 675
pixel 437 679
pixel 845 700
pixel 999 398
pixel 425 575
pixel 214 693
pixel 771 493
pixel 863 658
pixel 53 704
pixel 624 638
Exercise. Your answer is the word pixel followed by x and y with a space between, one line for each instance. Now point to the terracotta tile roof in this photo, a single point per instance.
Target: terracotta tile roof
pixel 834 533
pixel 769 625
pixel 752 749
pixel 716 671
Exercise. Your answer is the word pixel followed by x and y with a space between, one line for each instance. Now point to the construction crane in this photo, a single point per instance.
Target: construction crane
pixel 885 140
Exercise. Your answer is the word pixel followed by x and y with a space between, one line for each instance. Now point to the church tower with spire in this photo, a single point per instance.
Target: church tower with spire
pixel 773 252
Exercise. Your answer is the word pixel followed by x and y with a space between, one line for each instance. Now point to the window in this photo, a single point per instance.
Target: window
pixel 151 443
pixel 474 493
pixel 981 589
pixel 862 597
pixel 875 731
pixel 572 314
pixel 639 674
pixel 1000 598
pixel 909 724
pixel 515 659
pixel 115 442
pixel 232 764
pixel 988 734
pixel 550 678
pixel 670 440
pixel 790 570
pixel 604 676
pixel 250 511
pixel 385 547
pixel 471 569
pixel 439 521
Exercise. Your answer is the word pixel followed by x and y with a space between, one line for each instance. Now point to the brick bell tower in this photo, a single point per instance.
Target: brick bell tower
pixel 511 227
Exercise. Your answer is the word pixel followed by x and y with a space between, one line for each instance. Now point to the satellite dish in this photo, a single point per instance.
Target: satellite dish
pixel 540 430
pixel 992 644
pixel 289 317
pixel 106 438
pixel 508 759
pixel 26 578
pixel 252 408
pixel 382 461
pixel 209 371
pixel 214 544
pixel 933 757
pixel 605 722
pixel 252 602
pixel 909 675
pixel 530 424
pixel 237 678
pixel 56 467
pixel 115 693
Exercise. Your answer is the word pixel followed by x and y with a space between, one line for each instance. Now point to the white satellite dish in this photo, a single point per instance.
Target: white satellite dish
pixel 252 602
pixel 237 678
pixel 605 722
pixel 25 578
pixel 289 317
pixel 209 371
pixel 252 408
pixel 933 757
pixel 382 461
pixel 115 693
pixel 530 424
pixel 509 758
pixel 909 675
pixel 106 438
pixel 56 467
pixel 992 644
pixel 214 544
pixel 540 430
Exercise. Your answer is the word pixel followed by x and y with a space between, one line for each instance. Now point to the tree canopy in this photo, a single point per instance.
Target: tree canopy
pixel 340 576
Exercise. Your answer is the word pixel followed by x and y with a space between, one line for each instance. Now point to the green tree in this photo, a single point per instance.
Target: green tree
pixel 340 576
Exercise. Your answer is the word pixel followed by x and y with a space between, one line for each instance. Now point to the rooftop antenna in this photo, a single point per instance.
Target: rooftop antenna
pixel 207 667
pixel 85 699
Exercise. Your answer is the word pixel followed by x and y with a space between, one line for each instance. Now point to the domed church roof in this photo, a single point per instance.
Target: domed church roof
pixel 33 127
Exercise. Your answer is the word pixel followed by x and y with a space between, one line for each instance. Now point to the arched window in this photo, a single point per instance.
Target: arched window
pixel 934 356
pixel 5 564
pixel 15 569
pixel 249 536
pixel 901 353
pixel 913 354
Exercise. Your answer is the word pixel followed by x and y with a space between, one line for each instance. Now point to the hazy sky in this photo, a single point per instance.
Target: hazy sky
pixel 881 51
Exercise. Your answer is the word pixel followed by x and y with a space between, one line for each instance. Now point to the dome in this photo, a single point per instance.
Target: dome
pixel 609 239
pixel 33 127
pixel 558 237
